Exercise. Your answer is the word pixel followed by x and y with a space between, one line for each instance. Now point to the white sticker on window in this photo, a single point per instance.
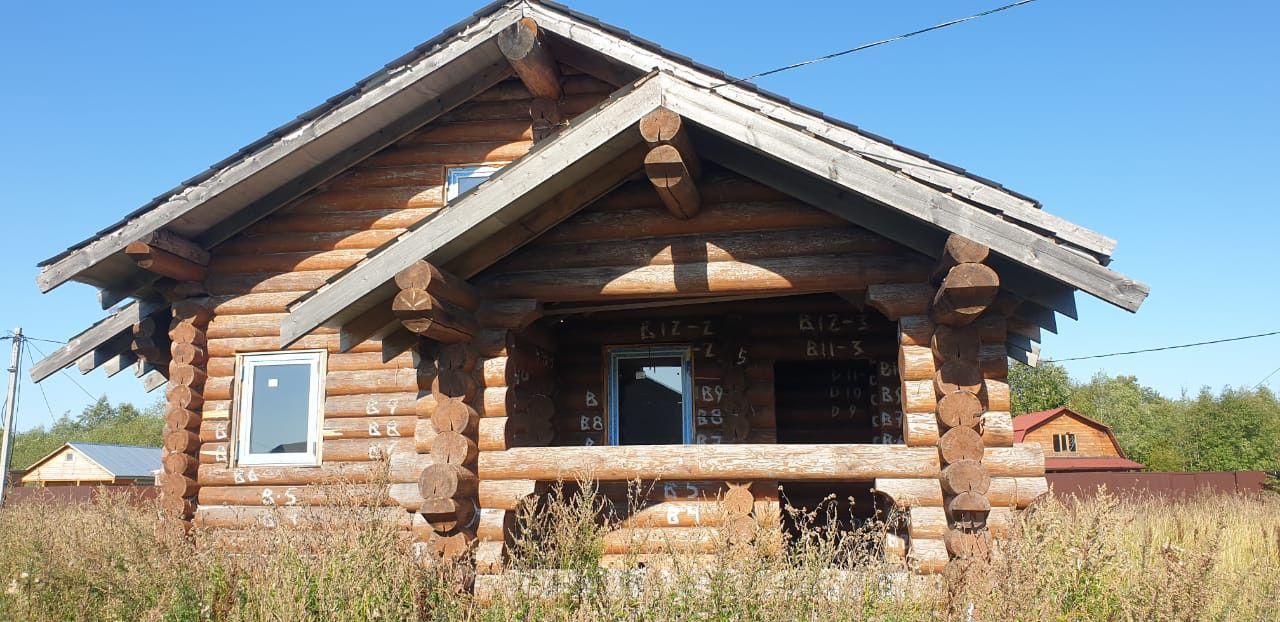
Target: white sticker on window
pixel 273 383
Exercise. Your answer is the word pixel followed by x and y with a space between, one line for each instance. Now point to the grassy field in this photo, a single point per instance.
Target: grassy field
pixel 1215 558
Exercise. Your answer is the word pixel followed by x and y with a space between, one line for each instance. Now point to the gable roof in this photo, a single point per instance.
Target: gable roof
pixel 1024 424
pixel 1045 258
pixel 122 461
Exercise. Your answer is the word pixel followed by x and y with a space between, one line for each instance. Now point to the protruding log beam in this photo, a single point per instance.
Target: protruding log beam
pixel 965 476
pixel 164 263
pixel 663 127
pixel 508 494
pixel 910 492
pixel 176 245
pixel 426 276
pixel 434 318
pixel 957 250
pixel 964 294
pixel 447 481
pixel 671 177
pixel 898 300
pixel 531 59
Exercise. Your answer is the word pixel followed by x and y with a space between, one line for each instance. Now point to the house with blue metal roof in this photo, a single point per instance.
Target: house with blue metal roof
pixel 78 463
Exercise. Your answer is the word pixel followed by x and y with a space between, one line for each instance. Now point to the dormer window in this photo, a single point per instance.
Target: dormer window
pixel 460 179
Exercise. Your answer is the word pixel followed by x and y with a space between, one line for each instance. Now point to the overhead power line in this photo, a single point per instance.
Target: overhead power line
pixel 1264 380
pixel 65 374
pixel 1162 348
pixel 867 46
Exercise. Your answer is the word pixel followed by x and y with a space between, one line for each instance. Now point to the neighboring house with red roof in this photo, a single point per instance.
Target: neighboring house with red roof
pixel 1072 442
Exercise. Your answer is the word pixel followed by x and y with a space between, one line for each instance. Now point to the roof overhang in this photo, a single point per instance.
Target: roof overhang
pixel 905 210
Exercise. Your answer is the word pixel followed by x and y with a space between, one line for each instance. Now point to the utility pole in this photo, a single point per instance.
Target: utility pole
pixel 10 405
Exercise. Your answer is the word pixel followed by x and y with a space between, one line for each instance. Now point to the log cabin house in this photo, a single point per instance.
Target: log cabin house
pixel 538 247
pixel 1072 442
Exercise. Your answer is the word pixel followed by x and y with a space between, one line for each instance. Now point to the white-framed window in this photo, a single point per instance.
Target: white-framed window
pixel 460 179
pixel 279 408
pixel 650 395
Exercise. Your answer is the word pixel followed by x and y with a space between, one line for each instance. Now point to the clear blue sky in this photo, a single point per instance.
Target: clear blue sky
pixel 1153 122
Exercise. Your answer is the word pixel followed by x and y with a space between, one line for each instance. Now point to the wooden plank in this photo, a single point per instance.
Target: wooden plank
pixel 98 334
pixel 569 157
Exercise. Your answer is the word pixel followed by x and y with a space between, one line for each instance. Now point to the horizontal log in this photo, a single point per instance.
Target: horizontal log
pixel 181 441
pixel 927 556
pixel 179 418
pixel 288 496
pixel 965 476
pixel 327 473
pixel 569 106
pixel 915 330
pixel 910 492
pixel 960 444
pixel 450 153
pixel 369 427
pixel 343 200
pixel 347 361
pixel 253 325
pixel 496 525
pixel 490 558
pixel 508 494
pixel 679 513
pixel 405 467
pixel 448 515
pixel 373 449
pixel 426 276
pixel 924 522
pixel 181 464
pixel 964 294
pixel 424 433
pixel 412 176
pixel 434 318
pixel 177 485
pixel 729 462
pixel 364 220
pixel 915 363
pixel 214 453
pixel 667 250
pixel 996 429
pixel 285 262
pixel 509 313
pixel 340 383
pixel 995 395
pixel 920 429
pixel 918 396
pixel 502 433
pixel 897 300
pixel 244 517
pixel 505 131
pixel 288 243
pixel 643 540
pixel 957 250
pixel 664 127
pixel 1021 460
pixel 164 263
pixel 1016 492
pixel 794 274
pixel 627 224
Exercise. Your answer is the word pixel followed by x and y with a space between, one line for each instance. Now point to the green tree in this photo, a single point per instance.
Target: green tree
pixel 1033 389
pixel 122 424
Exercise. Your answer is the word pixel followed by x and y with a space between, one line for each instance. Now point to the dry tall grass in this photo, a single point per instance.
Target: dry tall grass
pixel 1214 558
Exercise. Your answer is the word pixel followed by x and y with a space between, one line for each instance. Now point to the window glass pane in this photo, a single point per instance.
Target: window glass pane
pixel 467 183
pixel 464 178
pixel 281 400
pixel 1057 442
pixel 650 401
pixel 1071 440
